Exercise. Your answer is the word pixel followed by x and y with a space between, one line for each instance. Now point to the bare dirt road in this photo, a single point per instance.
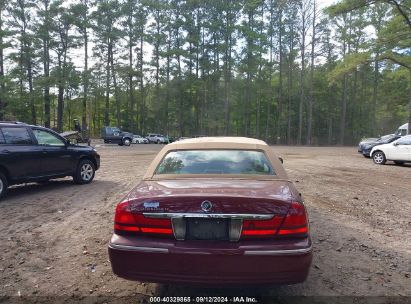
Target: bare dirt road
pixel 54 237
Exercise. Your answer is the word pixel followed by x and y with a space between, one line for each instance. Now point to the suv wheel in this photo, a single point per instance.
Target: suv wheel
pixel 126 142
pixel 379 158
pixel 85 172
pixel 158 141
pixel 3 185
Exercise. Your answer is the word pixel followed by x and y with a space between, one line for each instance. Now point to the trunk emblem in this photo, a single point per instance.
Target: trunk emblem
pixel 206 206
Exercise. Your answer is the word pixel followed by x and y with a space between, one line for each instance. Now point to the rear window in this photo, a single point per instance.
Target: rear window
pixel 215 162
pixel 17 136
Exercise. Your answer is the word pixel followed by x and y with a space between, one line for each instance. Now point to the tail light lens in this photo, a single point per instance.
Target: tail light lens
pixel 126 221
pixel 261 228
pixel 295 223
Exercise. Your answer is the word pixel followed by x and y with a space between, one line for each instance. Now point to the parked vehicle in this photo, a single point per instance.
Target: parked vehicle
pixel 214 211
pixel 154 138
pixel 137 139
pixel 36 154
pixel 398 151
pixel 364 142
pixel 386 139
pixel 76 137
pixel 115 136
pixel 402 130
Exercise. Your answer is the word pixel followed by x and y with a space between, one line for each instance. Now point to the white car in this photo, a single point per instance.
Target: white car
pixel 398 151
pixel 137 139
pixel 154 138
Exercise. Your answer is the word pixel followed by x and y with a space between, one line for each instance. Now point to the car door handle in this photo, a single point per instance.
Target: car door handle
pixel 5 151
pixel 44 151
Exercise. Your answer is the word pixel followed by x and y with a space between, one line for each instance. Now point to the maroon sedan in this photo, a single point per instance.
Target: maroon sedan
pixel 213 211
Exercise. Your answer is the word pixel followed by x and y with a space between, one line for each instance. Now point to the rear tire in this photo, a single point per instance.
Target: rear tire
pixel 3 185
pixel 379 158
pixel 85 172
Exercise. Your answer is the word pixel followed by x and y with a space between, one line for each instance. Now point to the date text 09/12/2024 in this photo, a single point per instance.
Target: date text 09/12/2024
pixel 205 299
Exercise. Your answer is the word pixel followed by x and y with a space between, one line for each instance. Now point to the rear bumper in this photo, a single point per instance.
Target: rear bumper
pixel 285 262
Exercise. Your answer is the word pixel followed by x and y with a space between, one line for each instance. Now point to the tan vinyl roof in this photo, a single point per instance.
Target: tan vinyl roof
pixel 239 143
pixel 219 140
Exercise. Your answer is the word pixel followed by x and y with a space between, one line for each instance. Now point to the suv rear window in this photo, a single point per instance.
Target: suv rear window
pixel 215 162
pixel 17 136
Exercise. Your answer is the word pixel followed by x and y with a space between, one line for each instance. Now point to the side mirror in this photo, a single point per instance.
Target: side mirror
pixel 281 160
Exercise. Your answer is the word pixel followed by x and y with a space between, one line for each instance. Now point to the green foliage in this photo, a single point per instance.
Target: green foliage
pixel 191 67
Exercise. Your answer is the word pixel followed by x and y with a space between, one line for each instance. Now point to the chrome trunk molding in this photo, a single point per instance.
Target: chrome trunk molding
pixel 209 215
pixel 139 249
pixel 279 252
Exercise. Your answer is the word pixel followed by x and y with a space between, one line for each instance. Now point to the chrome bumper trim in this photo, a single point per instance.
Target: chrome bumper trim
pixel 279 252
pixel 139 249
pixel 210 215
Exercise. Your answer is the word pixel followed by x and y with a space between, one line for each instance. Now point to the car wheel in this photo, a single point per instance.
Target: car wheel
pixel 3 185
pixel 85 172
pixel 400 163
pixel 106 141
pixel 126 142
pixel 158 141
pixel 379 158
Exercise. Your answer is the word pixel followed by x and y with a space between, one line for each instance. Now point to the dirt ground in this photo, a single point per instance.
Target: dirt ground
pixel 54 237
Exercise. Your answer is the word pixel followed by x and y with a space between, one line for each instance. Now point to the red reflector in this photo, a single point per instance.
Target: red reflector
pixel 157 230
pixel 258 232
pixel 126 228
pixel 293 231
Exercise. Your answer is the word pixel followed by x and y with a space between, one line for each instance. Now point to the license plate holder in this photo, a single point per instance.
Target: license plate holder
pixel 207 229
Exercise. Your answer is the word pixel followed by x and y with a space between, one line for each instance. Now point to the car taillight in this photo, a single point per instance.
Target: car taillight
pixel 126 221
pixel 295 222
pixel 261 228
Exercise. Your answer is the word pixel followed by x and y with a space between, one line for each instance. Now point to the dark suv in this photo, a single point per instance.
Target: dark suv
pixel 36 154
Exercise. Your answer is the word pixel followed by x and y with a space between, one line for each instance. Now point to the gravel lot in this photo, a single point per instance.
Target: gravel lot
pixel 54 237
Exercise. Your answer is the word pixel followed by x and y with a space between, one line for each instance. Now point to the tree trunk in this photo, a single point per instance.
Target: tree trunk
pixel 311 98
pixel 409 107
pixel 46 67
pixel 85 80
pixel 280 85
pixel 142 101
pixel 2 83
pixel 60 98
pixel 46 64
pixel 116 92
pixel 107 98
pixel 344 110
pixel 290 82
pixel 302 96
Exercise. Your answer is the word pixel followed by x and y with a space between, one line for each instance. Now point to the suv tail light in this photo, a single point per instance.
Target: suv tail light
pixel 295 223
pixel 126 221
